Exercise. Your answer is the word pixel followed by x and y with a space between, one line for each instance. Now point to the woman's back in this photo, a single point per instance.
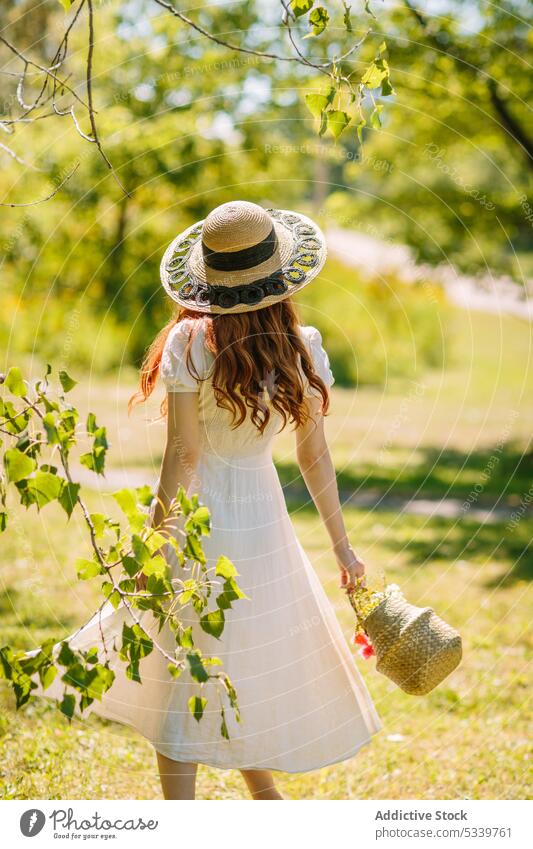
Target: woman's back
pixel 218 434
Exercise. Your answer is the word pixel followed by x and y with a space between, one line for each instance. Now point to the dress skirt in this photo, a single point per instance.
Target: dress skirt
pixel 302 700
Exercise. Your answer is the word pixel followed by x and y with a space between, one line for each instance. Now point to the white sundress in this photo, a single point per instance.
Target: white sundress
pixel 303 703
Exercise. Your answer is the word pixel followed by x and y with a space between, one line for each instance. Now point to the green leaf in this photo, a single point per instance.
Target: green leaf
pixel 337 121
pixel 66 4
pixel 91 655
pixel 66 382
pixel 140 549
pixel 213 623
pixel 144 495
pixel 66 656
pixel 91 423
pixel 155 541
pixel 68 705
pixel 230 592
pixel 130 565
pixel 375 118
pixel 22 686
pixel 174 670
pixel 197 669
pixel 100 679
pixel 372 77
pixel 225 568
pixel 11 421
pixel 45 486
pixel 157 566
pixel 301 7
pixel 87 569
pixel 127 501
pixel 185 638
pixel 316 103
pixel 85 701
pixel 47 675
pixel 68 496
pixel 15 382
pixel 386 87
pixel 112 595
pixel 138 640
pixel 6 663
pixel 199 520
pixel 319 19
pixel 18 465
pixel 94 460
pixel 50 427
pixel 378 73
pixel 232 696
pixel 196 706
pixel 99 523
pixel 223 726
pixel 184 501
pixel 193 549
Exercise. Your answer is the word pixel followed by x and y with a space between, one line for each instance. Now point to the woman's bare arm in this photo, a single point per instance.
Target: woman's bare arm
pixel 181 450
pixel 318 472
pixel 180 457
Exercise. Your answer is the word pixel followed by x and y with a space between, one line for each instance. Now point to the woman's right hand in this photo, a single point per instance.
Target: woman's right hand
pixel 350 565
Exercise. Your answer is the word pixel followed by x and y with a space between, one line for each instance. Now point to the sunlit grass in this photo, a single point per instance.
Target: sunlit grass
pixel 469 738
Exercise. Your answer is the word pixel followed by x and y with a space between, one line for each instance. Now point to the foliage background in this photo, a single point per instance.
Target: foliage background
pixel 430 428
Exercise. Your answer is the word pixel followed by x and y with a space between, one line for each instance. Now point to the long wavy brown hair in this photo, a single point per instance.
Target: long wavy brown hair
pixel 256 354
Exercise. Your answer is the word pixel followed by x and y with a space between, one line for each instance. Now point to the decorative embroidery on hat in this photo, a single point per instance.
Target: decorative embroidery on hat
pixel 305 256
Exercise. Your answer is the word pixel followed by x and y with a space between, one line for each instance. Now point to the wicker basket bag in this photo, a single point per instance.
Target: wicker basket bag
pixel 414 647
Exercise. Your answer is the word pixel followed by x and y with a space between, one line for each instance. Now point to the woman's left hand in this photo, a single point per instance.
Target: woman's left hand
pixel 351 567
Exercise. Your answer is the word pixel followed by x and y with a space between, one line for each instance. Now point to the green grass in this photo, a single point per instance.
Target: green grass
pixel 467 739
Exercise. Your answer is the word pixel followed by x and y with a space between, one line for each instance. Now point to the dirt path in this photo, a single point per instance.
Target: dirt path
pixel 374 258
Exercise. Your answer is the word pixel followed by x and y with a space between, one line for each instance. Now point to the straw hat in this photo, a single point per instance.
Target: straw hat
pixel 414 647
pixel 242 257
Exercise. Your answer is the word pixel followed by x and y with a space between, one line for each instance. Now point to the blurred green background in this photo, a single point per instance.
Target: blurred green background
pixel 188 125
pixel 431 413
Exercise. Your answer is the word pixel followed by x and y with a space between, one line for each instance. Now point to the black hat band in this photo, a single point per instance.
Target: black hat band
pixel 241 260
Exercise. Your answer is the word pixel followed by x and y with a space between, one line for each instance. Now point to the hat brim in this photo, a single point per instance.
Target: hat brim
pixel 300 255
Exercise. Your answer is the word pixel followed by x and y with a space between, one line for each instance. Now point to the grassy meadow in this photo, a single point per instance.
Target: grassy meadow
pixel 457 434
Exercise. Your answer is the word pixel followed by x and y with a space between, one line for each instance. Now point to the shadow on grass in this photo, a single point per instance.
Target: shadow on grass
pixel 480 479
pixel 502 471
pixel 451 540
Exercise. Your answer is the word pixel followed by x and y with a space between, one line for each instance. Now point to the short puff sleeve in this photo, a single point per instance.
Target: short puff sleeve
pixel 320 359
pixel 174 369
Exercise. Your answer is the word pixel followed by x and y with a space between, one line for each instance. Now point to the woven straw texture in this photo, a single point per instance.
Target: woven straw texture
pixel 414 647
pixel 299 256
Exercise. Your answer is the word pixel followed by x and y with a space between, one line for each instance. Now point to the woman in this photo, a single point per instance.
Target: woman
pixel 238 368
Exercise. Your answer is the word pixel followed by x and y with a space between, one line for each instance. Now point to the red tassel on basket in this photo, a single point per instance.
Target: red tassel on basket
pixel 367 649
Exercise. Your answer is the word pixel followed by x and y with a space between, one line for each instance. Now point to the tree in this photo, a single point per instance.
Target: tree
pixel 36 422
pixel 44 89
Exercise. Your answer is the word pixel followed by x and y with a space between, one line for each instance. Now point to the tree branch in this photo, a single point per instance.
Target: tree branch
pixel 89 78
pixel 508 119
pixel 49 73
pixel 509 122
pixel 48 197
pixel 299 58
